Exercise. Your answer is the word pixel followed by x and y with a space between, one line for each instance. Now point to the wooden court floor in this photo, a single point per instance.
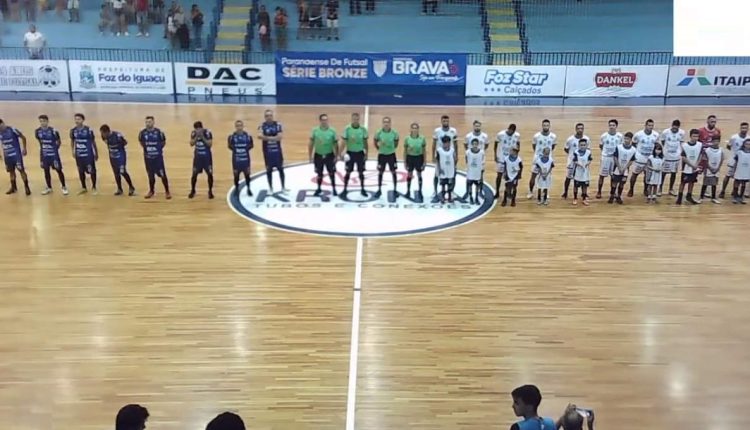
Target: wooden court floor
pixel 639 312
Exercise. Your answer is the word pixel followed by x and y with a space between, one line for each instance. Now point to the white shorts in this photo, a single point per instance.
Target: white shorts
pixel 500 167
pixel 638 168
pixel 332 23
pixel 607 167
pixel 571 170
pixel 670 166
pixel 731 167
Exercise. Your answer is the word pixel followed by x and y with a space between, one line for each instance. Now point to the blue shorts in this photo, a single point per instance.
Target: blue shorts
pixel 203 164
pixel 274 160
pixel 86 164
pixel 240 165
pixel 13 163
pixel 119 164
pixel 52 162
pixel 155 166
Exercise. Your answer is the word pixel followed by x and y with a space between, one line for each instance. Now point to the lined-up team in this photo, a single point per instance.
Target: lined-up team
pixel 624 157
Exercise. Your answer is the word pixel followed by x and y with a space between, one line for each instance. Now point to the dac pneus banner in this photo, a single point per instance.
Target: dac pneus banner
pixel 515 81
pixel 709 81
pixel 339 68
pixel 121 77
pixel 225 79
pixel 34 75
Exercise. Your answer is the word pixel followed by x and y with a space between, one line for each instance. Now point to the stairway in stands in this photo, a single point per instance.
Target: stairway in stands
pixel 504 33
pixel 233 25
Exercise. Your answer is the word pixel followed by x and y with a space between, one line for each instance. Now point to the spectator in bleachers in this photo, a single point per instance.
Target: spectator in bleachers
pixel 129 12
pixel 429 4
pixel 263 17
pixel 280 21
pixel 264 34
pixel 197 21
pixel 370 6
pixel 158 12
pixel 316 19
pixel 182 31
pixel 30 7
pixel 121 27
pixel 14 9
pixel 168 20
pixel 74 14
pixel 332 18
pixel 226 421
pixel 60 6
pixel 105 18
pixel 131 417
pixel 141 17
pixel 304 19
pixel 34 42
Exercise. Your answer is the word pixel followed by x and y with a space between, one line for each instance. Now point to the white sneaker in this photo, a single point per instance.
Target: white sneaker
pixel 47 191
pixel 530 196
pixel 94 191
pixel 65 191
pixel 672 193
pixel 117 35
pixel 716 201
pixel 127 34
pixel 658 194
pixel 146 34
pixel 139 34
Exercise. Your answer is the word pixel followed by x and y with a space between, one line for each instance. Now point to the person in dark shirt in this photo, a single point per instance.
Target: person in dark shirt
pixel 226 421
pixel 332 18
pixel 131 417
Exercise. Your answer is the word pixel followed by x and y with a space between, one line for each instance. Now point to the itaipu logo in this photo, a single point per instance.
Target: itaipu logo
pixel 299 210
pixel 699 76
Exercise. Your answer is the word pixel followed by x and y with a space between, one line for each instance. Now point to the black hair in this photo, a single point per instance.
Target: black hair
pixel 512 127
pixel 226 421
pixel 44 117
pixel 710 117
pixel 198 124
pixel 579 124
pixel 545 120
pixel 150 117
pixel 444 117
pixel 613 121
pixel 676 123
pixel 474 141
pixel 104 128
pixel 80 115
pixel 658 146
pixel 476 121
pixel 629 134
pixel 528 394
pixel 694 131
pixel 649 121
pixel 586 141
pixel 446 138
pixel 131 417
pixel 743 124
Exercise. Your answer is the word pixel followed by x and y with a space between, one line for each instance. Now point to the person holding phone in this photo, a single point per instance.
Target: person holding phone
pixel 573 418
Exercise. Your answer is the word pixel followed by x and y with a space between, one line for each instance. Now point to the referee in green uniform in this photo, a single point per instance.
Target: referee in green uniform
pixel 354 140
pixel 414 147
pixel 323 143
pixel 386 141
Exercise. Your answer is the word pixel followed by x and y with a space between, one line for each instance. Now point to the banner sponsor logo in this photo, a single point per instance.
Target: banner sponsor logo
pixel 510 81
pixel 615 81
pixel 121 77
pixel 225 79
pixel 709 81
pixel 372 69
pixel 34 75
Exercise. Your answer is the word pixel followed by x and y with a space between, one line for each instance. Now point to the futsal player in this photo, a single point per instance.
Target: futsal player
pixel 692 152
pixel 271 134
pixel 324 144
pixel 734 145
pixel 714 157
pixel 477 133
pixel 741 172
pixel 386 142
pixel 571 146
pixel 644 142
pixel 201 139
pixel 14 149
pixel 240 143
pixel 504 142
pixel 83 144
pixel 49 153
pixel 624 158
pixel 446 161
pixel 541 140
pixel 513 169
pixel 118 158
pixel 543 164
pixel 414 149
pixel 582 176
pixel 474 166
pixel 153 141
pixel 445 129
pixel 671 141
pixel 354 141
pixel 610 140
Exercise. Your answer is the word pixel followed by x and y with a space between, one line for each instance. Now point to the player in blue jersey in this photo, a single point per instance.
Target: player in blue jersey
pixel 240 143
pixel 49 153
pixel 153 141
pixel 118 158
pixel 271 134
pixel 83 145
pixel 201 140
pixel 14 148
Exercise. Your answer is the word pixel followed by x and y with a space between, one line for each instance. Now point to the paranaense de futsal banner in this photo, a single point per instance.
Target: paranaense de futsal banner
pixel 121 77
pixel 34 75
pixel 709 81
pixel 515 81
pixel 225 79
pixel 341 68
pixel 615 81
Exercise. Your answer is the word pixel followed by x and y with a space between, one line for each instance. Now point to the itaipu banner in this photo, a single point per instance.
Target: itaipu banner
pixel 342 68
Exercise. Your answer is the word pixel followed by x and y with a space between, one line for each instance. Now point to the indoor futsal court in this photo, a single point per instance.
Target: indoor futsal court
pixel 635 311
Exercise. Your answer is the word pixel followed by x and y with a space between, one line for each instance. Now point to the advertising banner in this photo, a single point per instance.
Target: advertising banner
pixel 615 81
pixel 34 75
pixel 340 68
pixel 121 77
pixel 709 81
pixel 225 79
pixel 515 81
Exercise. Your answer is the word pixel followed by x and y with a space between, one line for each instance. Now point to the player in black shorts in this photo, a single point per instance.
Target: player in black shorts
pixel 414 149
pixel 354 147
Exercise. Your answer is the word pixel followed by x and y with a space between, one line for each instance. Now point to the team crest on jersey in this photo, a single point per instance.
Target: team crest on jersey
pixel 354 215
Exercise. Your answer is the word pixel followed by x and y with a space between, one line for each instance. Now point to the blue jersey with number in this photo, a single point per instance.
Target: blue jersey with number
pixel 48 139
pixel 272 128
pixel 202 150
pixel 116 145
pixel 153 141
pixel 11 143
pixel 241 144
pixel 83 139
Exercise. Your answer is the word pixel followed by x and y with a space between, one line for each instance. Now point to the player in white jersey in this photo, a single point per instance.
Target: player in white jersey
pixel 541 140
pixel 474 166
pixel 741 172
pixel 571 146
pixel 446 161
pixel 445 129
pixel 513 170
pixel 624 158
pixel 671 141
pixel 714 159
pixel 644 141
pixel 543 164
pixel 692 152
pixel 608 144
pixel 504 142
pixel 477 133
pixel 653 173
pixel 735 143
pixel 582 159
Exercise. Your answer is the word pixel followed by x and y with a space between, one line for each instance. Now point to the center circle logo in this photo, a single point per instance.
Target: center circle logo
pixel 353 215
